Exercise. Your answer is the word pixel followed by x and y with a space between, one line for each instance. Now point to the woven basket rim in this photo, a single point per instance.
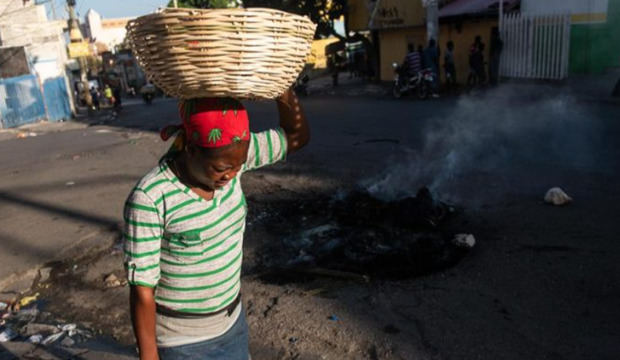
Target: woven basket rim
pixel 203 48
pixel 164 11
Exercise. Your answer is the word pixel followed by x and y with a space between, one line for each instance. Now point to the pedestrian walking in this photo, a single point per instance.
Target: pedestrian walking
pixel 109 97
pixel 184 229
pixel 94 94
pixel 116 92
pixel 450 66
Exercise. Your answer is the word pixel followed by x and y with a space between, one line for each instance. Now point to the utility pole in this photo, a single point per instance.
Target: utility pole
pixel 176 3
pixel 501 15
pixel 75 36
pixel 432 20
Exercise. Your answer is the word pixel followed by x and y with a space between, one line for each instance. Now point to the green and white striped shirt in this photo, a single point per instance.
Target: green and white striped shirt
pixel 190 249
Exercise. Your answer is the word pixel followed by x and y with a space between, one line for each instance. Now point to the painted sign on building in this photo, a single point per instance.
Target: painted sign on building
pixel 79 49
pixel 397 14
pixel 582 11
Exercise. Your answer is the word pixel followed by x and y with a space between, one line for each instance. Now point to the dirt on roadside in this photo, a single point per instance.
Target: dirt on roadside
pixel 292 314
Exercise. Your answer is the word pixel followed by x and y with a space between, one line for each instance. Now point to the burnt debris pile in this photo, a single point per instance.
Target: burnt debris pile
pixel 360 234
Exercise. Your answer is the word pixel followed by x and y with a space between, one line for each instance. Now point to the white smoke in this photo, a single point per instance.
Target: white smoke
pixel 488 132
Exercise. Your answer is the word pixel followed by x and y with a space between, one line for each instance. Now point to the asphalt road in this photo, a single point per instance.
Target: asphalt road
pixel 543 281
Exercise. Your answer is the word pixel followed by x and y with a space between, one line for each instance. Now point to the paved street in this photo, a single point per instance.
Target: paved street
pixel 542 281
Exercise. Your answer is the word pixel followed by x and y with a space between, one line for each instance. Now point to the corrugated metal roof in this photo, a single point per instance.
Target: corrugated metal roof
pixel 475 7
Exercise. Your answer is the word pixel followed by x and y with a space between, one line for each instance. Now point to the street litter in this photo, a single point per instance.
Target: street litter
pixel 35 339
pixel 26 314
pixel 111 281
pixel 44 274
pixel 464 240
pixel 7 335
pixel 333 318
pixel 3 306
pixel 69 329
pixel 67 342
pixel 35 328
pixel 28 299
pixel 557 197
pixel 53 338
pixel 70 183
pixel 22 135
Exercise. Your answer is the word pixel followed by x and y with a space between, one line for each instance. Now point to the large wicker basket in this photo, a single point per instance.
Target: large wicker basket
pixel 242 53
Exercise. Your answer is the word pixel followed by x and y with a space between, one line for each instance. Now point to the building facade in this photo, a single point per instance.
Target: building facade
pixel 110 32
pixel 595 31
pixel 24 24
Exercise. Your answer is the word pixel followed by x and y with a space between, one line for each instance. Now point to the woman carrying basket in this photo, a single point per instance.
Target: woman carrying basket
pixel 184 226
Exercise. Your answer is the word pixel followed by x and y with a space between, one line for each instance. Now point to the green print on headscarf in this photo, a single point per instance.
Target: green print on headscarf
pixel 215 135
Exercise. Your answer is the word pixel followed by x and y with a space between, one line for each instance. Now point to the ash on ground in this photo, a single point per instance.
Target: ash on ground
pixel 360 234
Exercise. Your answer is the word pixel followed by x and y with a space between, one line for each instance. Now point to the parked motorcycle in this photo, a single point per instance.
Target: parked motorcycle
pixel 420 83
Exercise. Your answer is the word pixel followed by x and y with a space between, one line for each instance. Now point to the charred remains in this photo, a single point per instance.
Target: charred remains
pixel 365 235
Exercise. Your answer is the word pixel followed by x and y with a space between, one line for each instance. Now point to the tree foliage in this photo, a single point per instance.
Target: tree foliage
pixel 204 4
pixel 321 12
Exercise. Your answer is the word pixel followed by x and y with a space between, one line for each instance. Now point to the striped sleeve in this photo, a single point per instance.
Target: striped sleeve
pixel 266 148
pixel 142 239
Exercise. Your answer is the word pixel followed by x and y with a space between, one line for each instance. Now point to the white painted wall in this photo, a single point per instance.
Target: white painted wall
pixel 93 22
pixel 27 25
pixel 98 31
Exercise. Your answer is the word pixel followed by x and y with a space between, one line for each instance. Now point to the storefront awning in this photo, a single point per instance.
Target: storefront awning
pixel 475 7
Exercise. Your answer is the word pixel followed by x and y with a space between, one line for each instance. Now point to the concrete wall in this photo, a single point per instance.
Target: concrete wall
pixel 110 32
pixel 393 44
pixel 317 57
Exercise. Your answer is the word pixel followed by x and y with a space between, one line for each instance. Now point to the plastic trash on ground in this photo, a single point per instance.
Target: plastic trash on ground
pixel 557 197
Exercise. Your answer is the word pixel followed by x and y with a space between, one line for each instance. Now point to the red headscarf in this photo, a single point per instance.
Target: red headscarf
pixel 211 122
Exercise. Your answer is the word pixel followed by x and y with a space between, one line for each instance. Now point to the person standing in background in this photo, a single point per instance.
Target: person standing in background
pixel 94 94
pixel 497 46
pixel 449 66
pixel 431 61
pixel 476 62
pixel 413 61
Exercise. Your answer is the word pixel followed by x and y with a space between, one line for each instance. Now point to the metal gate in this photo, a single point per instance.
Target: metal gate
pixel 21 101
pixel 535 46
pixel 56 99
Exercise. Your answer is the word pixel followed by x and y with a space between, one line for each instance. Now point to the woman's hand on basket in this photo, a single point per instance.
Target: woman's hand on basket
pixel 293 121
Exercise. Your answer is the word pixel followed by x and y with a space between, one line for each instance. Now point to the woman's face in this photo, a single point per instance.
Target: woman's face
pixel 214 168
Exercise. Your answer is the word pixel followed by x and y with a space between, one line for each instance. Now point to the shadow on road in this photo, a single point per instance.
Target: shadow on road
pixel 107 222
